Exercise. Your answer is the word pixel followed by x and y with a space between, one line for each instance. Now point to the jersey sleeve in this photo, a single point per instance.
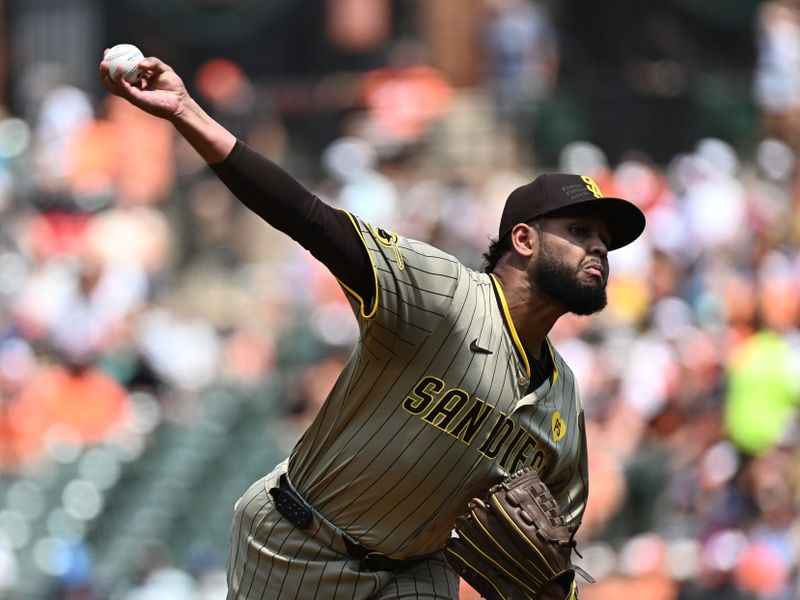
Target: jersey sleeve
pixel 414 287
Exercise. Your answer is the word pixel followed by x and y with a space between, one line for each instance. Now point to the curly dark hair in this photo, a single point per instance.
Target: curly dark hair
pixel 497 248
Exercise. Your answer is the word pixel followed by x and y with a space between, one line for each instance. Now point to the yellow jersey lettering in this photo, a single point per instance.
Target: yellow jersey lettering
pixel 447 408
pixel 455 412
pixel 521 459
pixel 510 447
pixel 423 394
pixel 469 425
pixel 497 436
pixel 538 460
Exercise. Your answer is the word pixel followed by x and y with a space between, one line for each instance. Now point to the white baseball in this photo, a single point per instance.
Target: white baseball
pixel 128 56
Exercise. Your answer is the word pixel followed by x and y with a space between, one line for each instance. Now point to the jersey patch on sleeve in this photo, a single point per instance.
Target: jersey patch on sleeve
pixel 389 239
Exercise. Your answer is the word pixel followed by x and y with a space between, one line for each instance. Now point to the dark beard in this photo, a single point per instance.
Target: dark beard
pixel 561 283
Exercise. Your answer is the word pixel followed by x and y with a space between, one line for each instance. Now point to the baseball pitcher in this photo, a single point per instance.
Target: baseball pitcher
pixel 452 390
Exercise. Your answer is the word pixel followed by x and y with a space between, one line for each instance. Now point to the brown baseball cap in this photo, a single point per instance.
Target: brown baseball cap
pixel 553 192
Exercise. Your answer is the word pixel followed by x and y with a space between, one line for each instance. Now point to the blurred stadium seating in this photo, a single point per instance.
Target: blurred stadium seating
pixel 121 256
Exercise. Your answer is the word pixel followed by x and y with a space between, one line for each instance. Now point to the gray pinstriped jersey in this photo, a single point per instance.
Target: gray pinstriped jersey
pixel 432 407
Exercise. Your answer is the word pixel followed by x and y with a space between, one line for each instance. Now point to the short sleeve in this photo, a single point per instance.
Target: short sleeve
pixel 415 284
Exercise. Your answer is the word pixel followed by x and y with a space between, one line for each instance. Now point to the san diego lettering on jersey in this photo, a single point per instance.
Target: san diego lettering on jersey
pixel 475 422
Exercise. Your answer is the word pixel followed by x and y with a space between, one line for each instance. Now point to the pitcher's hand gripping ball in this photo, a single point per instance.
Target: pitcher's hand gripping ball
pixel 128 57
pixel 515 544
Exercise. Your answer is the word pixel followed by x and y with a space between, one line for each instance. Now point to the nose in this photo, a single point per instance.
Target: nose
pixel 597 247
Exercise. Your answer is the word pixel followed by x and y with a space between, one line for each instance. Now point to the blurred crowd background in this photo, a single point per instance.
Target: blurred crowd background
pixel 161 348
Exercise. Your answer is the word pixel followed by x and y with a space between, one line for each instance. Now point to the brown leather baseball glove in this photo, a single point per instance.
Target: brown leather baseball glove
pixel 515 544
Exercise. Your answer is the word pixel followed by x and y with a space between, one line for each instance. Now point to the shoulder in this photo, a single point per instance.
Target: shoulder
pixel 408 252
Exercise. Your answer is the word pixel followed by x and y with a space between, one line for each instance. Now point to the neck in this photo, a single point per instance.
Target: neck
pixel 532 312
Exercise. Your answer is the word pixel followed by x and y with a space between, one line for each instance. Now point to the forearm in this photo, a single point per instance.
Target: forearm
pixel 257 182
pixel 288 206
pixel 273 194
pixel 208 137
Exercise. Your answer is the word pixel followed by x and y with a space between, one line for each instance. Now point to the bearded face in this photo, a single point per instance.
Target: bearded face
pixel 577 285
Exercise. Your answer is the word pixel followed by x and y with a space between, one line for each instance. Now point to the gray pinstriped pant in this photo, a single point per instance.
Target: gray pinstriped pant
pixel 271 559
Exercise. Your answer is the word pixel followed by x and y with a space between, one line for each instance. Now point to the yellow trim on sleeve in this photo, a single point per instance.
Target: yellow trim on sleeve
pixel 510 323
pixel 374 308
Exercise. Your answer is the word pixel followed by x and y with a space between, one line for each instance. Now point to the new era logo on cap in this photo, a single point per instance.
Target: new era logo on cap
pixel 552 192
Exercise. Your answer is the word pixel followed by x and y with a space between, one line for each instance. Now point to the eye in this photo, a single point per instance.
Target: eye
pixel 579 230
pixel 585 231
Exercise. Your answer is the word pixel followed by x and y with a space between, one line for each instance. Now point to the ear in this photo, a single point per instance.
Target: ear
pixel 524 239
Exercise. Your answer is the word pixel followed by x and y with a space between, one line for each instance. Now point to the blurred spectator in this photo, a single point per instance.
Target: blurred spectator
pixel 183 350
pixel 128 277
pixel 144 169
pixel 75 566
pixel 229 92
pixel 404 98
pixel 161 579
pixel 777 71
pixel 521 60
pixel 714 200
pixel 71 403
pixel 9 568
pixel 763 392
pixel 358 25
pixel 62 111
pixel 363 190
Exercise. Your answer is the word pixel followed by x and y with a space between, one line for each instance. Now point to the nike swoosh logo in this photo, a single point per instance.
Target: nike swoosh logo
pixel 473 345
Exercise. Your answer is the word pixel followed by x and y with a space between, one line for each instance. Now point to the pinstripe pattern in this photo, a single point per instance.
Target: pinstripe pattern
pixel 271 559
pixel 395 480
pixel 416 425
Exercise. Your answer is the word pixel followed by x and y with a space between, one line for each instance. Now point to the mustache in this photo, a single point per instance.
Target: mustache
pixel 595 263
